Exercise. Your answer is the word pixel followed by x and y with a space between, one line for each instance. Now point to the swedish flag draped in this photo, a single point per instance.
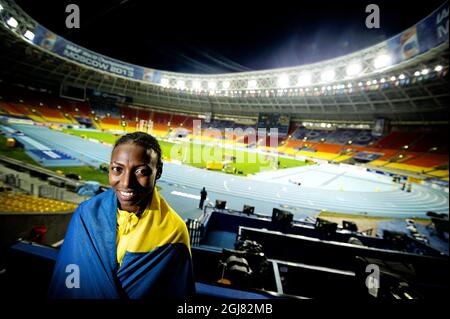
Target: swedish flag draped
pixel 115 256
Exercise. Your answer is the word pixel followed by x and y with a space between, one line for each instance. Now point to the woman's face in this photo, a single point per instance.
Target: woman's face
pixel 132 175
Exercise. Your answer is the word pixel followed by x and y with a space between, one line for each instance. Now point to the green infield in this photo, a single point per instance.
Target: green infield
pixel 235 161
pixel 106 137
pixel 228 160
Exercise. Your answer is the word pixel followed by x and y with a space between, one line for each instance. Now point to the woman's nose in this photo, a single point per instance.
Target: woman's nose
pixel 127 179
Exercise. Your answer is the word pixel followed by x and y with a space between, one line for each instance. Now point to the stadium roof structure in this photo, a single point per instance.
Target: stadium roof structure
pixel 404 79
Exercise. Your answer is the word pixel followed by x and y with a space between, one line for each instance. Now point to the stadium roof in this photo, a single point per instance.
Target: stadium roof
pixel 236 36
pixel 408 89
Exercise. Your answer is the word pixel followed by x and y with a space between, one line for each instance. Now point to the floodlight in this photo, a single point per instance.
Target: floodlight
pixel 212 85
pixel 283 81
pixel 354 69
pixel 12 22
pixel 251 84
pixel 196 85
pixel 304 79
pixel 328 75
pixel 29 35
pixel 226 84
pixel 164 82
pixel 382 61
pixel 180 84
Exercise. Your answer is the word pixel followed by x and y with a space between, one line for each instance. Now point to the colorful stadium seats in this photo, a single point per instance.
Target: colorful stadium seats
pixel 22 203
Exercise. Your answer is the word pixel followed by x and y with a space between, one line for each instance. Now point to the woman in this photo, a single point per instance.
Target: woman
pixel 126 242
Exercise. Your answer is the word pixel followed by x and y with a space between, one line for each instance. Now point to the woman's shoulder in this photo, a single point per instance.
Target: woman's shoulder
pixel 175 218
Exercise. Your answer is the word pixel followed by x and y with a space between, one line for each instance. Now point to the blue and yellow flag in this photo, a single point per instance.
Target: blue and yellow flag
pixel 108 254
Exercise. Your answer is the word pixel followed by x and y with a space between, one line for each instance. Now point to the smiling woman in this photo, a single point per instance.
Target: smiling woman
pixel 127 242
pixel 135 166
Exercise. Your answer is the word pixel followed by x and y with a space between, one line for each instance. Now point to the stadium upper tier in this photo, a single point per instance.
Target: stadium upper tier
pixel 402 78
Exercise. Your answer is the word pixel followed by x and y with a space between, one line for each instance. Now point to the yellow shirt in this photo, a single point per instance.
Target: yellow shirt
pixel 157 226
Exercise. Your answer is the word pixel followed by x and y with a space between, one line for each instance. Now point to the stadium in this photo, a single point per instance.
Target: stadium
pixel 354 147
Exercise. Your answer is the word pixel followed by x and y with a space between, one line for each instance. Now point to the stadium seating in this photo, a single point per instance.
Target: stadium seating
pixel 397 139
pixel 425 153
pixel 22 203
pixel 110 123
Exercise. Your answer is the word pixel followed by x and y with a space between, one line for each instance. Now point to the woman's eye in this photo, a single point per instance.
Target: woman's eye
pixel 143 172
pixel 116 169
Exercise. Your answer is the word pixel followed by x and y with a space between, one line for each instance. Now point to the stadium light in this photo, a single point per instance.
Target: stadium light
pixel 251 84
pixel 304 79
pixel 196 85
pixel 417 73
pixel 212 85
pixel 165 82
pixel 401 76
pixel 354 69
pixel 368 83
pixel 374 82
pixel 180 84
pixel 382 80
pixel 382 61
pixel 393 78
pixel 283 81
pixel 1 8
pixel 438 68
pixel 425 71
pixel 349 85
pixel 328 75
pixel 12 22
pixel 226 85
pixel 29 35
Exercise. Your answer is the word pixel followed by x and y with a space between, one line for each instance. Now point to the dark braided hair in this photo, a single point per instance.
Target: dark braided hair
pixel 145 140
